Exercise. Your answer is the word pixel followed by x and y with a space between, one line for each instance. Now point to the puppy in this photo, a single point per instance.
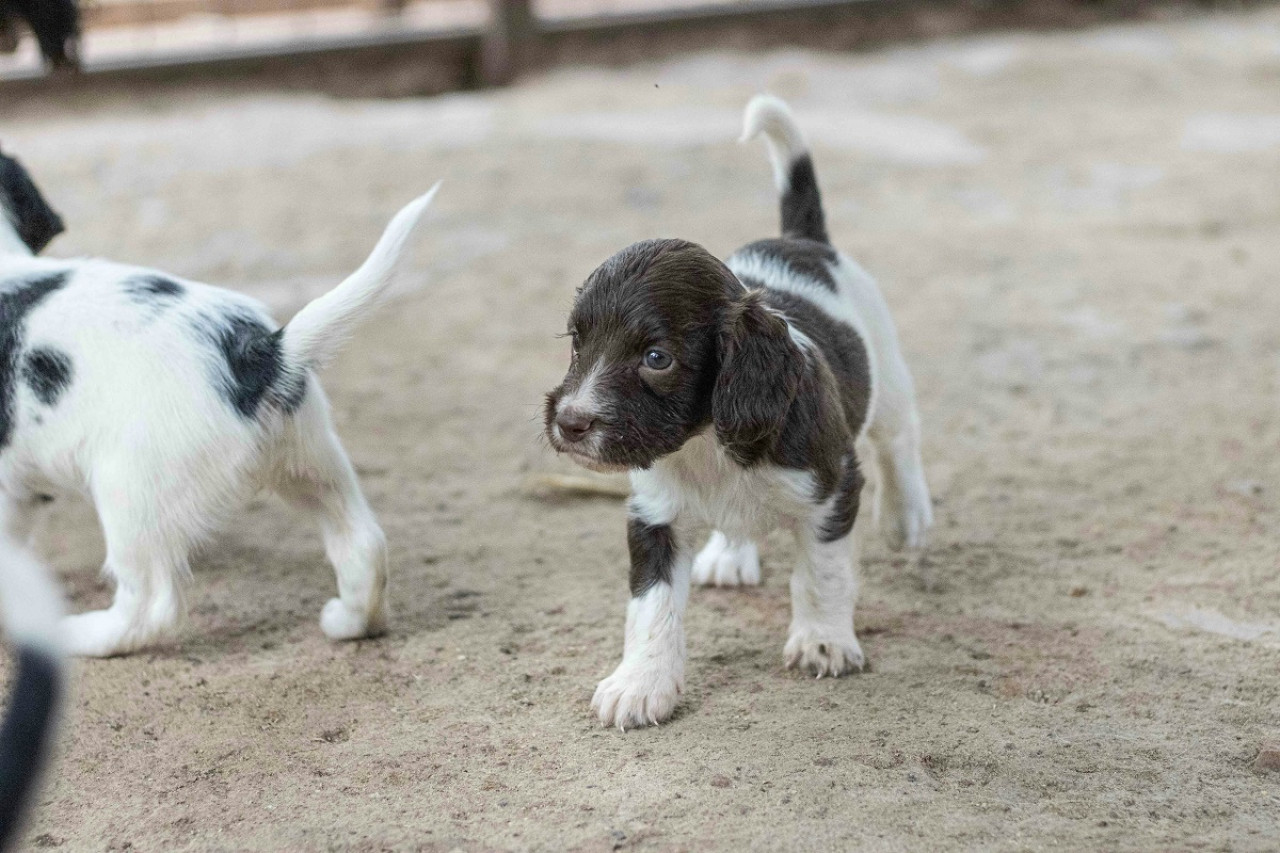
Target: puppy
pixel 735 394
pixel 168 404
pixel 55 24
pixel 31 608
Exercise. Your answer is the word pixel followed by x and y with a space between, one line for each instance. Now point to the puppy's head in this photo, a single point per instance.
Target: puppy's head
pixel 25 209
pixel 665 342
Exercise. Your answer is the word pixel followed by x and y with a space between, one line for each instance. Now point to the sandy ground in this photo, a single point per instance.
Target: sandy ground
pixel 1078 236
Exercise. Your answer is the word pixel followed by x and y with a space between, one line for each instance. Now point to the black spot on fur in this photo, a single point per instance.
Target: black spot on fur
pixel 35 222
pixel 802 215
pixel 844 511
pixel 653 554
pixel 25 735
pixel 807 258
pixel 153 289
pixel 252 369
pixel 56 24
pixel 17 298
pixel 48 373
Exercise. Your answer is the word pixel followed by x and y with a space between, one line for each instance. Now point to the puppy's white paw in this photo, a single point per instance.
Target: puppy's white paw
pixel 821 652
pixel 97 634
pixel 340 622
pixel 637 696
pixel 725 563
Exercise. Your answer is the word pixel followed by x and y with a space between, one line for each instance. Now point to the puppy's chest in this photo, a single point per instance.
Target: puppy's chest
pixel 703 484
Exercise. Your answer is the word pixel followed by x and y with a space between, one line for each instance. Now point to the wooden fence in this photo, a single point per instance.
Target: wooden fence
pixel 504 38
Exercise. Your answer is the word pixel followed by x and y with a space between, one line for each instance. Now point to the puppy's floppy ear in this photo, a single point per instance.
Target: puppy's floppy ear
pixel 761 369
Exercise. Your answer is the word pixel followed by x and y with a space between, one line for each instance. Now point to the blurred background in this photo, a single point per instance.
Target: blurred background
pixel 1073 210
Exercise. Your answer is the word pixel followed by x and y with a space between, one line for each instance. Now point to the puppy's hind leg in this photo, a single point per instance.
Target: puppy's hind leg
pixel 725 562
pixel 317 476
pixel 903 508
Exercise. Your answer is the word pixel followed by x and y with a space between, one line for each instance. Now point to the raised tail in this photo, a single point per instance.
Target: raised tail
pixel 802 215
pixel 32 609
pixel 316 333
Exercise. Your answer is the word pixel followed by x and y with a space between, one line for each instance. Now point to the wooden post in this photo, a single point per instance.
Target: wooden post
pixel 508 42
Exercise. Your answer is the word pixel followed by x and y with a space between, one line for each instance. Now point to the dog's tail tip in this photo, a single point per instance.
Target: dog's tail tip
pixel 770 115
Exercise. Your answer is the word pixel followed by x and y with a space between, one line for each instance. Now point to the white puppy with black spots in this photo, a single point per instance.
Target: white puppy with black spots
pixel 738 394
pixel 169 404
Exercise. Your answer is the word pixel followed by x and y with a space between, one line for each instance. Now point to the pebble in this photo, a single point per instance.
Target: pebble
pixel 1268 759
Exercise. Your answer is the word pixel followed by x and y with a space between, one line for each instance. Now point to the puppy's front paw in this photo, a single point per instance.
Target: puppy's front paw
pixel 723 563
pixel 824 652
pixel 635 697
pixel 340 622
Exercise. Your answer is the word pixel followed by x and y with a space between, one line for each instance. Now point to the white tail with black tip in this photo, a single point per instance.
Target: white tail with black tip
pixel 802 216
pixel 32 608
pixel 316 333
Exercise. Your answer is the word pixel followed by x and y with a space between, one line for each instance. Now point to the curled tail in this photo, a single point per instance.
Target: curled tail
pixel 32 608
pixel 802 215
pixel 316 333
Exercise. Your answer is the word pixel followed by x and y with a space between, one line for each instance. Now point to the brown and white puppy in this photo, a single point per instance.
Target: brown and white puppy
pixel 736 394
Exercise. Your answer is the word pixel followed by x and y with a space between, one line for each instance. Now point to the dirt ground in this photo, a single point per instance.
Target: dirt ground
pixel 1078 236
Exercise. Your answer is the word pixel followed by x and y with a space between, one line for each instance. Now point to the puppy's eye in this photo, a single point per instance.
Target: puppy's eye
pixel 656 359
pixel 573 344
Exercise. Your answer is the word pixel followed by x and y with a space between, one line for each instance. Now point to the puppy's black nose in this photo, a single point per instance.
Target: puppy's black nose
pixel 574 426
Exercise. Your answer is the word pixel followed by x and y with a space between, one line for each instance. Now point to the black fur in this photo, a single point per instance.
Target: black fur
pixel 24 736
pixel 802 216
pixel 56 24
pixel 252 369
pixel 47 372
pixel 653 554
pixel 36 223
pixel 807 258
pixel 761 372
pixel 844 512
pixel 17 298
pixel 154 288
pixel 843 349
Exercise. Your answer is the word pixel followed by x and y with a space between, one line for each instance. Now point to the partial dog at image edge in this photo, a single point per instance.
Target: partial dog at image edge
pixel 31 608
pixel 741 395
pixel 54 23
pixel 169 403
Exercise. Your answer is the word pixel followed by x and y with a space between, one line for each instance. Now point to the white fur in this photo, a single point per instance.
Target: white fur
pixel 144 433
pixel 782 135
pixel 29 600
pixel 646 686
pixel 722 562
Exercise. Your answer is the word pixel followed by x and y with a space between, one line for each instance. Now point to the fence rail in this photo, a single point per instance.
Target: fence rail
pixel 403 47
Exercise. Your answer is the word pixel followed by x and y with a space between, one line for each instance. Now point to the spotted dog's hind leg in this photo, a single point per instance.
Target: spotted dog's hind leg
pixel 148 541
pixel 316 476
pixel 725 562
